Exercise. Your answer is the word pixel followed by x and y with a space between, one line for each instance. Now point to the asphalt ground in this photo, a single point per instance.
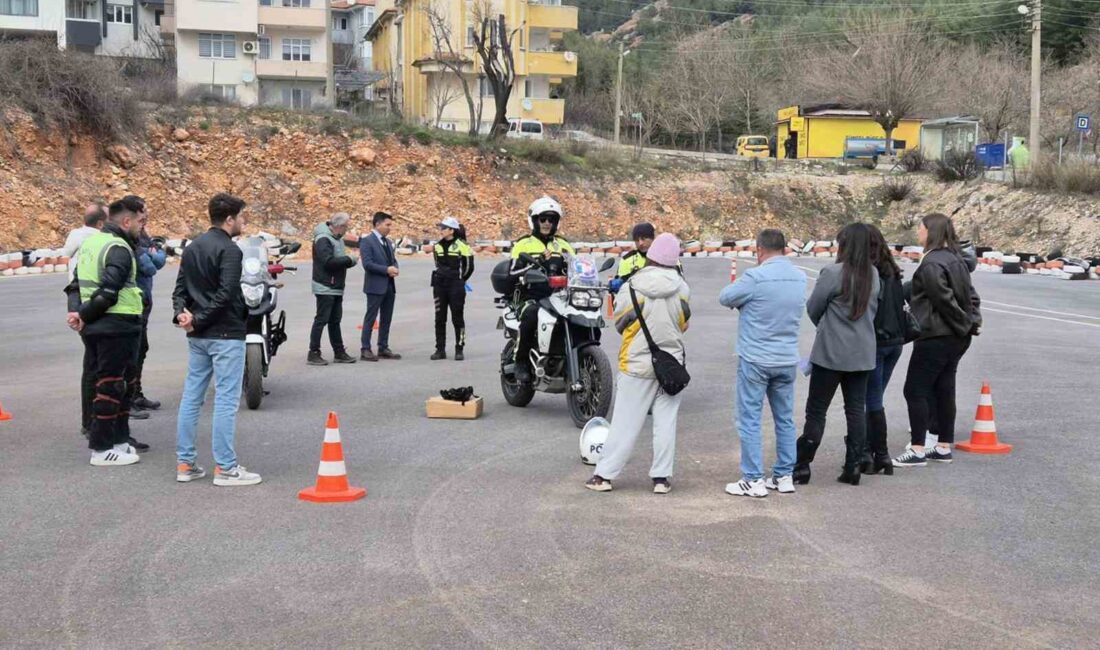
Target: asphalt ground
pixel 480 534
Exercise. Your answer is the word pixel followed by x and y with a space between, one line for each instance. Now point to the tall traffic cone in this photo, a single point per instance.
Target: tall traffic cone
pixel 373 329
pixel 332 475
pixel 4 415
pixel 733 271
pixel 610 306
pixel 983 439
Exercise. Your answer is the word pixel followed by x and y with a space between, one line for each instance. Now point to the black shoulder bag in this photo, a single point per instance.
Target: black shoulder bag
pixel 671 374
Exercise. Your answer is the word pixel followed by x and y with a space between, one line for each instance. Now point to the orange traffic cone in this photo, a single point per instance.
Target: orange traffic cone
pixel 983 439
pixel 332 475
pixel 611 306
pixel 733 271
pixel 4 415
pixel 373 329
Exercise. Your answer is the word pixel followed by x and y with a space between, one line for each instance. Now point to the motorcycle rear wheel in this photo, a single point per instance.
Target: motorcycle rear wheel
pixel 514 393
pixel 254 375
pixel 594 400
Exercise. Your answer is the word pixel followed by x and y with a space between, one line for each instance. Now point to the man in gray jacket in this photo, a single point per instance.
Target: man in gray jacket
pixel 330 269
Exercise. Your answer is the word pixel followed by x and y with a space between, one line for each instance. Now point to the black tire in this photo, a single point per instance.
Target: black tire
pixel 514 393
pixel 253 375
pixel 594 400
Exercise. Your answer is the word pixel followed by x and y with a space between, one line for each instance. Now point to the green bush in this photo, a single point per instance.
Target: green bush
pixel 1074 176
pixel 631 199
pixel 913 160
pixel 958 166
pixel 895 190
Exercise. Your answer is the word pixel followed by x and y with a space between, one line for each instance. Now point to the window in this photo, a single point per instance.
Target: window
pixel 156 17
pixel 528 88
pixel 296 49
pixel 221 90
pixel 298 98
pixel 530 127
pixel 340 23
pixel 369 19
pixel 470 36
pixel 74 9
pixel 486 87
pixel 217 46
pixel 265 47
pixel 296 3
pixel 19 7
pixel 120 14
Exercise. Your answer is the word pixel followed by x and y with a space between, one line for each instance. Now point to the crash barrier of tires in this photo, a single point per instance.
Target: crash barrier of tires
pixel 33 262
pixel 1059 268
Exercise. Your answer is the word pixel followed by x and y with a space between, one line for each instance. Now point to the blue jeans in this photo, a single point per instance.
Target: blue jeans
pixel 885 360
pixel 753 383
pixel 223 360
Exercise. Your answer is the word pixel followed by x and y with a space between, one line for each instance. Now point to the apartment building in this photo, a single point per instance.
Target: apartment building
pixel 268 52
pixel 413 76
pixel 350 21
pixel 116 28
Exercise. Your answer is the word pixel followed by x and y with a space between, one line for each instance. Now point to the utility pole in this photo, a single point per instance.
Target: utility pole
pixel 619 93
pixel 1036 73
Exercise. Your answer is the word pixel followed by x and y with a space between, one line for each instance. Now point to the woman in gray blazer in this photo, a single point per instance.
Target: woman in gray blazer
pixel 842 306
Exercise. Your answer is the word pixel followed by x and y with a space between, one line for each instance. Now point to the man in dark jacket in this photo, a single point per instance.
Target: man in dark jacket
pixel 105 306
pixel 209 306
pixel 150 259
pixel 379 283
pixel 330 269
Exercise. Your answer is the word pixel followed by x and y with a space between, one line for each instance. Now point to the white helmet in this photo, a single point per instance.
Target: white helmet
pixel 542 205
pixel 593 436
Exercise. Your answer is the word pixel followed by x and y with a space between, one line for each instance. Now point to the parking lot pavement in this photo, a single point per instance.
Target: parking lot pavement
pixel 479 534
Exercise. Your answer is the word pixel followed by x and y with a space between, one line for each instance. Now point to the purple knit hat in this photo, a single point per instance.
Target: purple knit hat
pixel 665 250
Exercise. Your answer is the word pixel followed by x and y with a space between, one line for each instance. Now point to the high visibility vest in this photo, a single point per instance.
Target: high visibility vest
pixel 89 273
pixel 630 264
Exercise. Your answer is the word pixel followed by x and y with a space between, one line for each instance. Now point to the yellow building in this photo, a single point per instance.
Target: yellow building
pixel 426 91
pixel 823 131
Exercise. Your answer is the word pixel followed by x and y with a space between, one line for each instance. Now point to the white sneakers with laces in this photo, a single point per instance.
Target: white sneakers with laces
pixel 781 484
pixel 746 488
pixel 235 477
pixel 120 454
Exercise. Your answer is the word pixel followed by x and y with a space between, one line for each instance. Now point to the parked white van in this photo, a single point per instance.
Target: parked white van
pixel 528 129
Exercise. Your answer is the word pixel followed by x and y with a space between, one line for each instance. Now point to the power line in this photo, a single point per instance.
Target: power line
pixel 805 5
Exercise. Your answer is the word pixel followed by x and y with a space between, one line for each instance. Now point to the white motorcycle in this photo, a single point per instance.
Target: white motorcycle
pixel 566 357
pixel 263 336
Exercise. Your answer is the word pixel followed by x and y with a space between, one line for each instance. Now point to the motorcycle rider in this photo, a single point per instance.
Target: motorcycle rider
pixel 635 260
pixel 454 264
pixel 543 244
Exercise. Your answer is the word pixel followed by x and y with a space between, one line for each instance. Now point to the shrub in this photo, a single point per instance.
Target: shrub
pixel 895 190
pixel 913 160
pixel 1072 176
pixel 631 199
pixel 578 148
pixel 538 151
pixel 958 166
pixel 68 91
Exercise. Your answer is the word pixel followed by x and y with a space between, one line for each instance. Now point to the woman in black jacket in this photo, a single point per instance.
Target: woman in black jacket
pixel 890 322
pixel 947 309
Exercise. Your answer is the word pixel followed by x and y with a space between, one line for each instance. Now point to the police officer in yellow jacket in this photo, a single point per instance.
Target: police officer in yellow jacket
pixel 635 260
pixel 454 264
pixel 544 245
pixel 105 306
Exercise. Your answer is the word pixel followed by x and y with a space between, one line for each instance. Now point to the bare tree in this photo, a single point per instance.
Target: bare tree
pixel 441 95
pixel 686 84
pixel 445 50
pixel 880 69
pixel 986 83
pixel 493 43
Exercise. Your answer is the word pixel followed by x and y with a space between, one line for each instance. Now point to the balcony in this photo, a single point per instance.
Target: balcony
pixel 298 17
pixel 279 69
pixel 167 26
pixel 549 16
pixel 547 111
pixel 552 64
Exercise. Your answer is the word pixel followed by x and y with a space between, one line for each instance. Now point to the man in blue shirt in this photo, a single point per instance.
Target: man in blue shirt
pixel 150 258
pixel 771 298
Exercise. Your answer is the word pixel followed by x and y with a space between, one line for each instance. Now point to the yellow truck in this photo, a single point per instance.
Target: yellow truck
pixel 752 146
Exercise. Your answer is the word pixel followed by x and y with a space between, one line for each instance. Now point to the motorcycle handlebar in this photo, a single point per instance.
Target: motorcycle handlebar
pixel 290 268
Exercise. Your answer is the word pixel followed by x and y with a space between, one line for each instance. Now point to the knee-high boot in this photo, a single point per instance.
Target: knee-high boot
pixel 807 449
pixel 850 474
pixel 876 440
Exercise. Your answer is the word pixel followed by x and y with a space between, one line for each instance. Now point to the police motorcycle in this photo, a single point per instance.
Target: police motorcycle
pixel 260 269
pixel 567 357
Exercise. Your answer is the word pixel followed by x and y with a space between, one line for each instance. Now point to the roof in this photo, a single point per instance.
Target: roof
pixel 350 4
pixel 952 121
pixel 382 18
pixel 355 79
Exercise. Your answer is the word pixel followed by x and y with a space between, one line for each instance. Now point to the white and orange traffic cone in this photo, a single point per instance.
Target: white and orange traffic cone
pixel 4 415
pixel 733 271
pixel 373 329
pixel 332 475
pixel 983 439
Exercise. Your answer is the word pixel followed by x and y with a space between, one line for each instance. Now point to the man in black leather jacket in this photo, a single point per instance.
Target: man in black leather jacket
pixel 209 306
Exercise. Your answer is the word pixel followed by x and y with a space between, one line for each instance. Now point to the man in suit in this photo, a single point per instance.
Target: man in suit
pixel 380 264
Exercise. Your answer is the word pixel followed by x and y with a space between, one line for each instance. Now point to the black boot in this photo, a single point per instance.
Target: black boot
pixel 806 452
pixel 866 460
pixel 458 354
pixel 876 440
pixel 438 354
pixel 850 474
pixel 315 359
pixel 342 356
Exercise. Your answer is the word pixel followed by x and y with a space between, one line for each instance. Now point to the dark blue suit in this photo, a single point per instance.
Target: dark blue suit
pixel 380 288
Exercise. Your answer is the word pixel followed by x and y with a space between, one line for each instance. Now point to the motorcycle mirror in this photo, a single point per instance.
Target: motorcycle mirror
pixel 607 263
pixel 291 248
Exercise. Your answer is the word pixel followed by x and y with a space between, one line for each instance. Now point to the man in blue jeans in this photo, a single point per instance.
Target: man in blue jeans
pixel 771 297
pixel 209 306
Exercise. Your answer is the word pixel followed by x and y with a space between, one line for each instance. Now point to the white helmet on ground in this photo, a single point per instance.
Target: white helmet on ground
pixel 593 436
pixel 543 205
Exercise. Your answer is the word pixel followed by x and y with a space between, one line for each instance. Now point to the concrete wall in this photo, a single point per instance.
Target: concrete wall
pixel 193 70
pixel 50 18
pixel 217 15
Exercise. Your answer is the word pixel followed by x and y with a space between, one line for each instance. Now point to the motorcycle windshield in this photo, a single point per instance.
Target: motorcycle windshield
pixel 254 262
pixel 583 272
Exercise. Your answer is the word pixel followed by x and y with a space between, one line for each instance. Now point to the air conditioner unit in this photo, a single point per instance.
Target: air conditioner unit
pixel 250 47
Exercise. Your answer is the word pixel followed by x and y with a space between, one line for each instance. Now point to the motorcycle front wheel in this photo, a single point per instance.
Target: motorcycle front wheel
pixel 594 398
pixel 254 375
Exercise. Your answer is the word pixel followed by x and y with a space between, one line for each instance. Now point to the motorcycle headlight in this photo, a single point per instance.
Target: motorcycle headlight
pixel 253 294
pixel 580 299
pixel 594 303
pixel 251 266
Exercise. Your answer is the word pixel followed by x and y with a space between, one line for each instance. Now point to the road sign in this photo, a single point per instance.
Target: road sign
pixel 1082 121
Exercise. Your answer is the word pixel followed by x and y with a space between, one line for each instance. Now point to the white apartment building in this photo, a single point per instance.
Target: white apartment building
pixel 269 52
pixel 351 19
pixel 116 28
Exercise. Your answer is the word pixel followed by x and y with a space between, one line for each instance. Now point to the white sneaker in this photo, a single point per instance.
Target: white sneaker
pixel 114 456
pixel 234 477
pixel 784 484
pixel 745 488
